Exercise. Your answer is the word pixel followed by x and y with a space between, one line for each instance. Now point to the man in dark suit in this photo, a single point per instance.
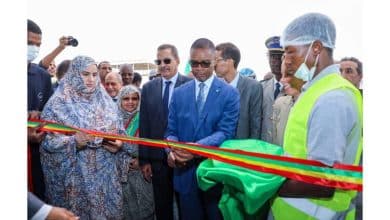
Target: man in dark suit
pixel 153 121
pixel 251 92
pixel 39 90
pixel 204 111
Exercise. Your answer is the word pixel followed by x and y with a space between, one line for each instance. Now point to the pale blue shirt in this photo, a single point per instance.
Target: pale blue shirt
pixel 43 212
pixel 234 82
pixel 171 86
pixel 206 88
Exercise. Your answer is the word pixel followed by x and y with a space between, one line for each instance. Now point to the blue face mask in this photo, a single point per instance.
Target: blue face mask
pixel 303 71
pixel 32 52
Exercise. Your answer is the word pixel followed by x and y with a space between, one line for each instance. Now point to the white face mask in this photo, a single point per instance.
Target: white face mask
pixel 32 52
pixel 303 71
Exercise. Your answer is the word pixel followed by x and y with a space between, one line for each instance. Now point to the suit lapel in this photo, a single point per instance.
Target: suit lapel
pixel 240 84
pixel 270 90
pixel 158 95
pixel 179 81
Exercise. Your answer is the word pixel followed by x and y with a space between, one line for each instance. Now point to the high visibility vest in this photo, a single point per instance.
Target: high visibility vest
pixel 295 144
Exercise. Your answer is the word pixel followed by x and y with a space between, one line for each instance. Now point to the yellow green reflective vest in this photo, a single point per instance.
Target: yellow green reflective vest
pixel 295 144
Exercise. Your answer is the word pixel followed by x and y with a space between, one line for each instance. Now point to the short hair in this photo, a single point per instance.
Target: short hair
pixel 99 65
pixel 359 63
pixel 203 43
pixel 117 76
pixel 137 78
pixel 62 68
pixel 330 52
pixel 33 27
pixel 169 46
pixel 125 65
pixel 229 51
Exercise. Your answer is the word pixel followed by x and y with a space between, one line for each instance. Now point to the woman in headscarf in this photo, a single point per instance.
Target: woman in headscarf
pixel 138 200
pixel 80 170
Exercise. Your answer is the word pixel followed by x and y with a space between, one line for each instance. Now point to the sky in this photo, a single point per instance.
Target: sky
pixel 118 30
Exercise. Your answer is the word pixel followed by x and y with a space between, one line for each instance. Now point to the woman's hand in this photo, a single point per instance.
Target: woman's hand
pixel 112 146
pixel 82 139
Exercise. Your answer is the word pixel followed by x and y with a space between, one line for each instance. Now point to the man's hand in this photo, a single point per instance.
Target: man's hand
pixel 34 115
pixel 112 146
pixel 147 172
pixel 63 42
pixel 134 165
pixel 35 135
pixel 182 156
pixel 57 213
pixel 171 160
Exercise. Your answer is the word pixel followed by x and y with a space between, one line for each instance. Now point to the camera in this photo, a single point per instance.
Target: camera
pixel 72 41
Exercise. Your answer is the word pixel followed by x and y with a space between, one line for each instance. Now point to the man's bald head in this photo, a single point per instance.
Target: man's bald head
pixel 113 83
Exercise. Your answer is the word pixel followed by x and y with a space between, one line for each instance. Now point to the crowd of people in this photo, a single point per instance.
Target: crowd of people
pixel 308 104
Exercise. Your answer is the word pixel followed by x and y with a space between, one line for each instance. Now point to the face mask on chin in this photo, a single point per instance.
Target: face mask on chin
pixel 303 71
pixel 32 52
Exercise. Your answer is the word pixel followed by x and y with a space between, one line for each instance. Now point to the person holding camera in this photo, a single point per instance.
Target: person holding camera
pixel 48 60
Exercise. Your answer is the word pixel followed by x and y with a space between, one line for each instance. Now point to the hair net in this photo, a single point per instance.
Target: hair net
pixel 310 27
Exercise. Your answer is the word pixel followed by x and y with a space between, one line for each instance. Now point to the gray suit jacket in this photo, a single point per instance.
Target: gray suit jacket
pixel 268 101
pixel 33 205
pixel 251 97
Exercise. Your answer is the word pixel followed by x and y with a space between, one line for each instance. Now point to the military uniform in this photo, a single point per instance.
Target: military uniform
pixel 269 92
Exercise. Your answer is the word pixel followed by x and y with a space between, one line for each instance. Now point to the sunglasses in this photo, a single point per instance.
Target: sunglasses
pixel 166 61
pixel 203 63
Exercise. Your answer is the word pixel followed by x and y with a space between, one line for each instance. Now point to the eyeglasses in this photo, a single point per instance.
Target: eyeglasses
pixel 166 61
pixel 203 63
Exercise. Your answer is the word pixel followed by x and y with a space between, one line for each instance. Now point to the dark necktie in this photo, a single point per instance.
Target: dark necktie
pixel 277 90
pixel 200 98
pixel 166 97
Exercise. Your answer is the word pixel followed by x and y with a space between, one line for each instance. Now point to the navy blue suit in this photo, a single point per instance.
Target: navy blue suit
pixel 216 123
pixel 153 123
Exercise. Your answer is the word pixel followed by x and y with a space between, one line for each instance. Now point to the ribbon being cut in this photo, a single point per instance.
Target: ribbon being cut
pixel 252 173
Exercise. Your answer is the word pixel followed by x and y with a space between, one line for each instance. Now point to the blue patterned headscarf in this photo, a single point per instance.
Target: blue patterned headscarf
pixel 73 76
pixel 72 103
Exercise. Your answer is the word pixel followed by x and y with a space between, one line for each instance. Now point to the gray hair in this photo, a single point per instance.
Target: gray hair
pixel 117 76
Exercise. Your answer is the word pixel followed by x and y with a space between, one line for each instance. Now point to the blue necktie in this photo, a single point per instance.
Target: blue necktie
pixel 200 98
pixel 277 90
pixel 166 97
